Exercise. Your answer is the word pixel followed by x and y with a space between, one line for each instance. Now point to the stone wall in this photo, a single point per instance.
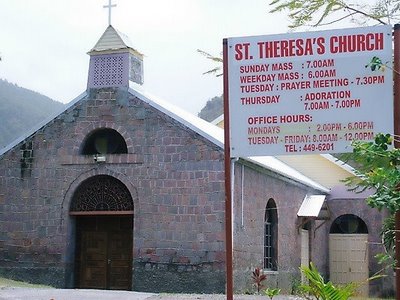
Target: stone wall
pixel 176 180
pixel 175 177
pixel 249 212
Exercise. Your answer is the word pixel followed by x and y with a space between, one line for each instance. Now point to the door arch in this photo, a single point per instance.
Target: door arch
pixel 348 251
pixel 103 209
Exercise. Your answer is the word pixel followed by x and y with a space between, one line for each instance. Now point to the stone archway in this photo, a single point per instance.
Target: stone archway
pixel 103 208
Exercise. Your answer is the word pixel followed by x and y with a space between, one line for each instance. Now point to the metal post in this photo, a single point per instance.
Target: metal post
pixel 228 192
pixel 396 106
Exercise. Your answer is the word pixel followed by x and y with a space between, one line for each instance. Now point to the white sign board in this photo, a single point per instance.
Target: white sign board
pixel 311 92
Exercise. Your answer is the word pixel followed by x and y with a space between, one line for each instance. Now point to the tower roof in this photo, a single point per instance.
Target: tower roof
pixel 112 39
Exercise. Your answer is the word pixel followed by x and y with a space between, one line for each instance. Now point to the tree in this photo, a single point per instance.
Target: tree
pixel 316 13
pixel 377 169
pixel 212 110
pixel 217 71
pixel 325 12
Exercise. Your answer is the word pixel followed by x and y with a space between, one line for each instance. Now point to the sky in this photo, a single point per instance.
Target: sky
pixel 44 43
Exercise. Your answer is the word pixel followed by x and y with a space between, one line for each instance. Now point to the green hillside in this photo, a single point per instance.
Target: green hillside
pixel 21 109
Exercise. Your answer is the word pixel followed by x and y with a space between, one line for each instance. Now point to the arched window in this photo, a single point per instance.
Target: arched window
pixel 270 236
pixel 104 141
pixel 348 224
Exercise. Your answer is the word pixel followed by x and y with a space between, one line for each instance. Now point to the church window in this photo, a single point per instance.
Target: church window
pixel 348 224
pixel 101 193
pixel 270 236
pixel 26 159
pixel 104 141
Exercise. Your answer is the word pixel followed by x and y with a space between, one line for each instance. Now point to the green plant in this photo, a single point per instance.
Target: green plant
pixel 248 292
pixel 258 277
pixel 295 285
pixel 271 293
pixel 317 287
pixel 387 259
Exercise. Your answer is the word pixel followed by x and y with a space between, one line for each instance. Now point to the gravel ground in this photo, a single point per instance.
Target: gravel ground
pixel 217 297
pixel 10 293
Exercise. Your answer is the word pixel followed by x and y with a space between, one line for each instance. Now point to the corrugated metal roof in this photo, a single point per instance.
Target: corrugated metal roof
pixel 211 132
pixel 311 206
pixel 308 164
pixel 340 163
pixel 218 120
pixel 112 39
pixel 216 135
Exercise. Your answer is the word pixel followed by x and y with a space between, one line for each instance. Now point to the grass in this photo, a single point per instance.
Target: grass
pixel 4 282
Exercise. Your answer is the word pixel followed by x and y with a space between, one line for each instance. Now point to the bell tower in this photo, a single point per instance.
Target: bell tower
pixel 114 62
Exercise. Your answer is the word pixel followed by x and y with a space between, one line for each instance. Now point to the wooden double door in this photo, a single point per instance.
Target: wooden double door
pixel 104 252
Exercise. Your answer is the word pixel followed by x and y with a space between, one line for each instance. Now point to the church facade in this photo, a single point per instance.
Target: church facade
pixel 123 191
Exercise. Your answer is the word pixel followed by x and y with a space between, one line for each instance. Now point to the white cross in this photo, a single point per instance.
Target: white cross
pixel 109 6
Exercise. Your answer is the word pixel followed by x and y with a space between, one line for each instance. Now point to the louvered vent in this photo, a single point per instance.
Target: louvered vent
pixel 108 71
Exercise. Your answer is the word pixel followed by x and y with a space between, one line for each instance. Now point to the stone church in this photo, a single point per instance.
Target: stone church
pixel 121 190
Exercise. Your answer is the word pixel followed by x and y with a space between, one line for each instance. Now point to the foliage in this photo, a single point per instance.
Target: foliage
pixel 295 285
pixel 388 240
pixel 317 288
pixel 212 110
pixel 271 293
pixel 217 71
pixel 377 169
pixel 324 12
pixel 375 64
pixel 258 277
pixel 21 109
pixel 248 292
pixel 325 291
pixel 388 234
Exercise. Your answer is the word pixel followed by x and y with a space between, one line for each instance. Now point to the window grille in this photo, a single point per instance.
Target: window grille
pixel 270 236
pixel 101 193
pixel 268 247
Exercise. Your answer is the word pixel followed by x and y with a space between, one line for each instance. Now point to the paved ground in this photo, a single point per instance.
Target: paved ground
pixel 69 294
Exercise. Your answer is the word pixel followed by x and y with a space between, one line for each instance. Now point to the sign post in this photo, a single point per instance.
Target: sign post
pixel 228 192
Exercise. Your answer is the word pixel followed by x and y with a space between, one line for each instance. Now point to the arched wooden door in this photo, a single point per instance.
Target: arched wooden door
pixel 103 209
